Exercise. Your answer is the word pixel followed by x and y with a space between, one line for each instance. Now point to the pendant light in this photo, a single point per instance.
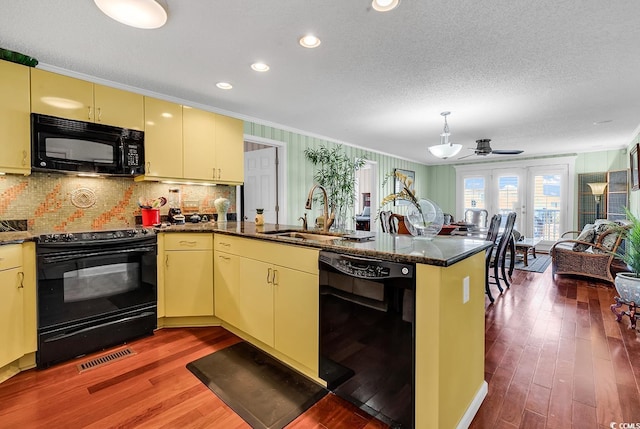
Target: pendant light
pixel 145 14
pixel 445 149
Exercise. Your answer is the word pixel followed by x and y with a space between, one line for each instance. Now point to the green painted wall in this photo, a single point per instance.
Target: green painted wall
pixel 300 171
pixel 438 183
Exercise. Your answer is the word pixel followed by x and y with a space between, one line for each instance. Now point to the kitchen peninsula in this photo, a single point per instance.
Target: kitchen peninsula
pixel 449 301
pixel 449 306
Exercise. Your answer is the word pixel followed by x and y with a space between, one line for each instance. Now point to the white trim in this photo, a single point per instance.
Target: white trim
pixel 283 171
pixel 547 162
pixel 473 408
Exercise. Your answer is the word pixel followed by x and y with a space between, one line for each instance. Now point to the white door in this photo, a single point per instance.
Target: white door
pixel 260 183
pixel 508 192
pixel 548 203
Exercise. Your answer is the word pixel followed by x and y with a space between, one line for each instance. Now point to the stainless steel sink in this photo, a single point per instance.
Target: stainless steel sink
pixel 304 235
pixel 310 236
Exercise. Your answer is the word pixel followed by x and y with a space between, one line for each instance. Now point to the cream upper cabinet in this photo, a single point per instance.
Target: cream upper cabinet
pixel 213 147
pixel 199 144
pixel 66 97
pixel 188 274
pixel 11 304
pixel 15 131
pixel 117 107
pixel 162 138
pixel 229 149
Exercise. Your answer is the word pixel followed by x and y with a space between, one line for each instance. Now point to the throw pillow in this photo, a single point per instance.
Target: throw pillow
pixel 587 235
pixel 606 237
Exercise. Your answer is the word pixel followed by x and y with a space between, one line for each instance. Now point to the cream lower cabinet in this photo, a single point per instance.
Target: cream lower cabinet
pixel 187 265
pixel 11 304
pixel 273 303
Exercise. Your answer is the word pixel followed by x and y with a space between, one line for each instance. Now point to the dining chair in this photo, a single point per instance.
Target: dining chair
pixel 397 224
pixel 385 221
pixel 492 236
pixel 504 244
pixel 478 217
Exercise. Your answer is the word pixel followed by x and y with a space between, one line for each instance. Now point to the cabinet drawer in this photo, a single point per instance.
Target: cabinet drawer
pixel 10 256
pixel 229 244
pixel 193 241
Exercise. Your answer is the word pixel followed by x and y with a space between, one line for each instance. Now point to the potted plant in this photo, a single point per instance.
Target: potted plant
pixel 336 173
pixel 425 217
pixel 628 283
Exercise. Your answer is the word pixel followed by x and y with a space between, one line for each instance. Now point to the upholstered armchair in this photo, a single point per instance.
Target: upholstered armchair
pixel 591 253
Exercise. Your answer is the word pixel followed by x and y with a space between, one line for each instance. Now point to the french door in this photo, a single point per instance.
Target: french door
pixel 538 194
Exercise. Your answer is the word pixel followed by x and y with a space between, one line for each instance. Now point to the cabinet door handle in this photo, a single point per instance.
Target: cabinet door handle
pixel 89 112
pixel 21 274
pixel 226 258
pixel 214 172
pixel 275 278
pixel 24 157
pixel 99 114
pixel 187 243
pixel 219 173
pixel 224 244
pixel 268 275
pixel 148 170
pixel 166 261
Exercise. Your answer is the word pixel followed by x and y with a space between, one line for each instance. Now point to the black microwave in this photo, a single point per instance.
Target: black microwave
pixel 70 146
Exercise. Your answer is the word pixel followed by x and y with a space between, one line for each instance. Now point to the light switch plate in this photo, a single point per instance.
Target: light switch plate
pixel 465 290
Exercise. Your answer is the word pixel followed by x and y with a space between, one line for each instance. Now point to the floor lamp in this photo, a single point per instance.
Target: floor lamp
pixel 597 189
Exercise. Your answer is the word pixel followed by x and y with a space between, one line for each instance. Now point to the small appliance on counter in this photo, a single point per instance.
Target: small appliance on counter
pixel 175 215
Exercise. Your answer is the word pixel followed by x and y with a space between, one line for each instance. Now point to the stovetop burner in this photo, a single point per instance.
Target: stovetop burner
pixel 88 236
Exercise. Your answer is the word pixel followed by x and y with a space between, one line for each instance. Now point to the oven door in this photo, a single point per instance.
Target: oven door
pixel 81 284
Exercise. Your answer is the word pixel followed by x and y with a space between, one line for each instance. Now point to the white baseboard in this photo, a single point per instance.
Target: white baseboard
pixel 468 416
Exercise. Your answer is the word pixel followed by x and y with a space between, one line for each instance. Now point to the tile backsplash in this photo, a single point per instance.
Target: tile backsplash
pixel 57 202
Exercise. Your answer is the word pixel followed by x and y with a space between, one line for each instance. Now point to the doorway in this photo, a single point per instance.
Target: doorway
pixel 263 181
pixel 537 193
pixel 366 196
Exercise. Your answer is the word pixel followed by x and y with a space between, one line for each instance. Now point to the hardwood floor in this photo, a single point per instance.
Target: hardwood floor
pixel 555 358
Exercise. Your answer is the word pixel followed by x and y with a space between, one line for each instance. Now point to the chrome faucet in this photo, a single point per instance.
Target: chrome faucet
pixel 304 222
pixel 327 222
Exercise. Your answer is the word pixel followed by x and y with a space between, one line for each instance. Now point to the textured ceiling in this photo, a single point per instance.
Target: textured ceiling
pixel 531 75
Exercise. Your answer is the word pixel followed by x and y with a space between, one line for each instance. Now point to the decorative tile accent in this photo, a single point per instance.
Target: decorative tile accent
pixel 54 202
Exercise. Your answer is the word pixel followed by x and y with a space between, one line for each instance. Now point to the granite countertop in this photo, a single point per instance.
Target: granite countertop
pixel 441 251
pixel 15 237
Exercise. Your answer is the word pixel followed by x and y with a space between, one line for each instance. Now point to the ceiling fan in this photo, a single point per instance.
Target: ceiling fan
pixel 483 148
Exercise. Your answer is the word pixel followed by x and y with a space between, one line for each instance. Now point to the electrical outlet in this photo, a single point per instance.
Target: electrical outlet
pixel 465 290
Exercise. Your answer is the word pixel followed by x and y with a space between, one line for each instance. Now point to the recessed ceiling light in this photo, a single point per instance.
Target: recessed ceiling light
pixel 260 67
pixel 606 121
pixel 146 14
pixel 384 5
pixel 224 85
pixel 310 41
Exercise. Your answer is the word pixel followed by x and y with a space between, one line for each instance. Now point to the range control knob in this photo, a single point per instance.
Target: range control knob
pixel 119 234
pixel 131 233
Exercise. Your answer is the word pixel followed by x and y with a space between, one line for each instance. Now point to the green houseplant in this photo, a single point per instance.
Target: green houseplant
pixel 336 173
pixel 628 283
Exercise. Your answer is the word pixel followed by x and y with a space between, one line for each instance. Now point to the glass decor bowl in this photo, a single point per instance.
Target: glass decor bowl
pixel 424 220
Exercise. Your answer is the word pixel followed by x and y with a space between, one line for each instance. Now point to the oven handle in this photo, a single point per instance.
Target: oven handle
pixel 68 257
pixel 92 327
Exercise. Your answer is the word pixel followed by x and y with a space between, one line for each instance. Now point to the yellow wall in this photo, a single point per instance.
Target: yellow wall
pixel 449 341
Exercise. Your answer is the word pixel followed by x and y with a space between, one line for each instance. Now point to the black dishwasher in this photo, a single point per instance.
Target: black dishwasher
pixel 367 334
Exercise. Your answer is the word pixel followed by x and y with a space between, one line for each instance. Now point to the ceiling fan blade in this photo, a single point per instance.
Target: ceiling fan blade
pixel 507 152
pixel 466 156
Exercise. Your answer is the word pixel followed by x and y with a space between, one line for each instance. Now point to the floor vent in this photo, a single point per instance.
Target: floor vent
pixel 103 360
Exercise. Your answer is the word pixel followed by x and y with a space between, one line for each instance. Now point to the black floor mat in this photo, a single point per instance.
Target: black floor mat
pixel 260 389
